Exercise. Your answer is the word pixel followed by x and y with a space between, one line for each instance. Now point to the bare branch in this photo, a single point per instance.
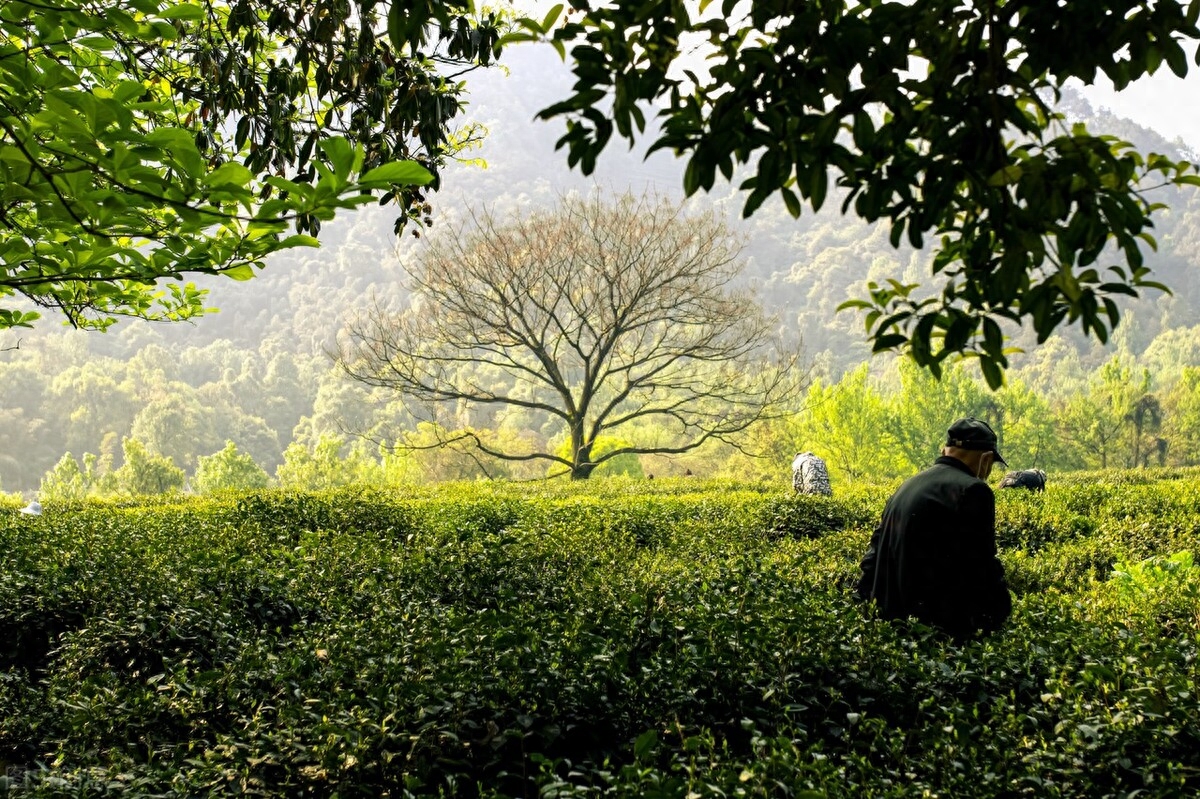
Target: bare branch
pixel 601 314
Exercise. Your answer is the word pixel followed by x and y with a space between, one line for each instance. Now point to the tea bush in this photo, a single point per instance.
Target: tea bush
pixel 674 638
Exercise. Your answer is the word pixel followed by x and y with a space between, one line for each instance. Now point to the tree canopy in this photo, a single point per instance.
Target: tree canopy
pixel 600 316
pixel 151 139
pixel 934 115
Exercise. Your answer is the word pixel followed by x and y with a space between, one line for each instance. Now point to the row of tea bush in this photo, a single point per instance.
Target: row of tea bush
pixel 677 638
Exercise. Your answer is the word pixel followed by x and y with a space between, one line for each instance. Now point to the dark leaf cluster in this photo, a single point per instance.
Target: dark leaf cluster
pixel 931 115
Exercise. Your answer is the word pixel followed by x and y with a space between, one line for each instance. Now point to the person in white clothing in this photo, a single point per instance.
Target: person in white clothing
pixel 809 475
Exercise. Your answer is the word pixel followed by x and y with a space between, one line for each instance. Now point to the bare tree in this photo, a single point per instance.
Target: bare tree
pixel 601 315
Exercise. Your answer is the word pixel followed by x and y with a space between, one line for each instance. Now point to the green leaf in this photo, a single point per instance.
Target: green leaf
pixel 1176 58
pixel 404 173
pixel 181 147
pixel 299 240
pixel 515 37
pixel 301 189
pixel 691 178
pixel 991 372
pixel 340 153
pixel 406 24
pixel 396 25
pixel 888 342
pixel 551 17
pixel 183 11
pixel 863 130
pixel 819 184
pixel 791 201
pixel 13 154
pixel 239 273
pixel 10 319
pixel 1153 60
pixel 993 339
pixel 848 304
pixel 1154 284
pixel 643 747
pixel 128 90
pixel 101 44
pixel 1006 176
pixel 230 174
pixel 923 333
pixel 958 333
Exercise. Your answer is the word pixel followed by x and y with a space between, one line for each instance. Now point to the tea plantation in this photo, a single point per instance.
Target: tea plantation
pixel 629 639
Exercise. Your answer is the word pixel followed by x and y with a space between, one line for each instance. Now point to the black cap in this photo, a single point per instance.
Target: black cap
pixel 975 434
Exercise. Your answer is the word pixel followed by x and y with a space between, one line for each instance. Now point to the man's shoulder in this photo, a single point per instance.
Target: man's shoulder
pixel 940 476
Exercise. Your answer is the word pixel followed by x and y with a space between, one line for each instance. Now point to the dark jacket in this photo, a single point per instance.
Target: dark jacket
pixel 933 555
pixel 1033 479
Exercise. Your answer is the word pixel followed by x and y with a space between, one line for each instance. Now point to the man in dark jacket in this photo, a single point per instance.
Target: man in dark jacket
pixel 933 555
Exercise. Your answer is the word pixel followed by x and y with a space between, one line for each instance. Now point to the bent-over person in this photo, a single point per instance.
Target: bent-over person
pixel 1032 479
pixel 809 475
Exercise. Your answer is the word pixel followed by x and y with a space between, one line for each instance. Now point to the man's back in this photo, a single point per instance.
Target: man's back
pixel 933 555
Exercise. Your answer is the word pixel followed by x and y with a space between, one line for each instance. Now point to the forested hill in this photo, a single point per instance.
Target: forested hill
pixel 255 373
pixel 804 267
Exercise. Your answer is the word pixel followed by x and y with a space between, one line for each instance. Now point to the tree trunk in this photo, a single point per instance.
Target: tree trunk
pixel 581 454
pixel 1137 440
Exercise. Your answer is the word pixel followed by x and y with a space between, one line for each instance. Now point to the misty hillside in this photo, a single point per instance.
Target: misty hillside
pixel 256 371
pixel 804 267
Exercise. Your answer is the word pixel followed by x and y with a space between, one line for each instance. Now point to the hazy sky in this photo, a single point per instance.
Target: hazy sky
pixel 1163 102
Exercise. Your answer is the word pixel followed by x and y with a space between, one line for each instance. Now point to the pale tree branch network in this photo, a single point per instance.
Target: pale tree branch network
pixel 615 320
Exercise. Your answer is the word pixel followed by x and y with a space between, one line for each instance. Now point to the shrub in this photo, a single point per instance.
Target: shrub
pixel 622 638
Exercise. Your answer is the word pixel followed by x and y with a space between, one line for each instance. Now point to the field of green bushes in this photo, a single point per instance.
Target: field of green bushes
pixel 673 638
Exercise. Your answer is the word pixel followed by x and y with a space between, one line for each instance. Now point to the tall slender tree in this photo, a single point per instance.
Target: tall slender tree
pixel 846 424
pixel 1145 419
pixel 1095 421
